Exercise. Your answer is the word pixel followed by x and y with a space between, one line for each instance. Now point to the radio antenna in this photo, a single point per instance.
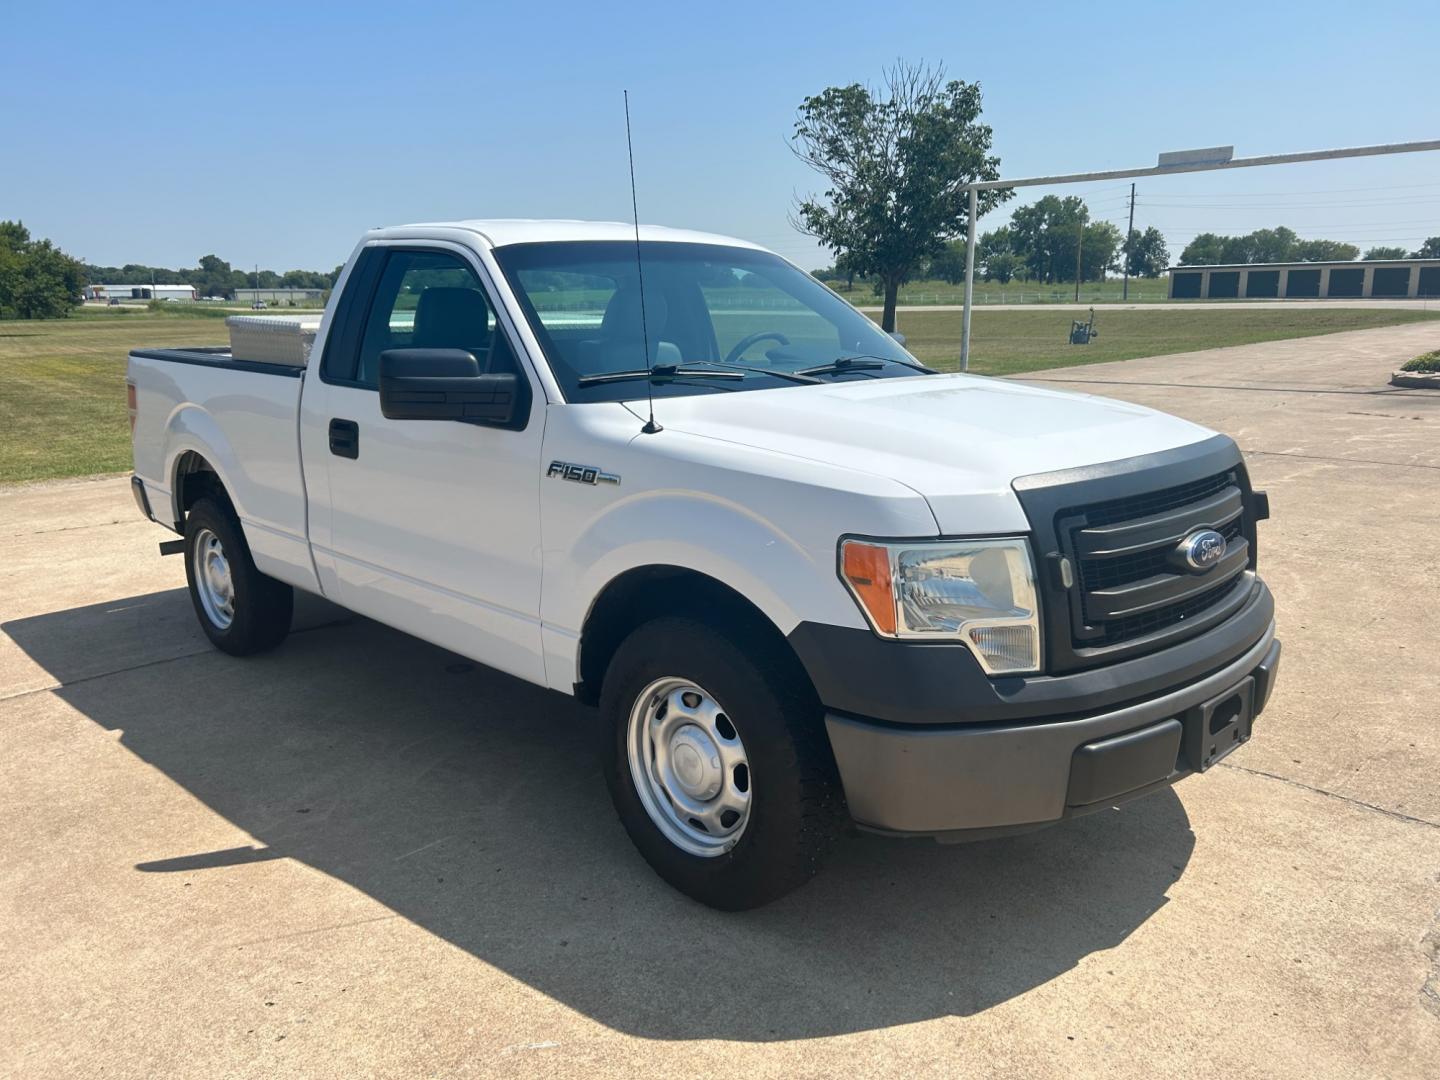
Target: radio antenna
pixel 650 427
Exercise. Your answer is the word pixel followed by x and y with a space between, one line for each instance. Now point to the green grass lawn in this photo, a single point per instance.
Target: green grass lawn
pixel 62 383
pixel 1142 291
pixel 62 389
pixel 1006 342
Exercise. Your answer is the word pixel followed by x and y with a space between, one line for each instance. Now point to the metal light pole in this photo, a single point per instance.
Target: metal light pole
pixel 1209 159
pixel 969 283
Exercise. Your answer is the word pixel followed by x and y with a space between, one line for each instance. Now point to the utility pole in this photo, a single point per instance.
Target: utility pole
pixel 971 215
pixel 1079 247
pixel 1129 237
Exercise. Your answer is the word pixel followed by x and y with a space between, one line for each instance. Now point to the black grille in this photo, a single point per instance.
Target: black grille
pixel 1107 573
pixel 1154 502
pixel 1130 580
pixel 1116 631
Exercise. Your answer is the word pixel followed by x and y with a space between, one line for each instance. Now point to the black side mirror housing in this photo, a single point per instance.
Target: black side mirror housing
pixel 444 384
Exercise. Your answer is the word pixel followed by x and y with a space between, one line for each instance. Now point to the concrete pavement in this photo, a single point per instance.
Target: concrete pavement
pixel 361 855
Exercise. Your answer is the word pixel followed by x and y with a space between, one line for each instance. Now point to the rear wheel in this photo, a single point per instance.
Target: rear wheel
pixel 718 765
pixel 240 609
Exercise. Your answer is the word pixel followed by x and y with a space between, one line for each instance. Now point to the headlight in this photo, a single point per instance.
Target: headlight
pixel 981 592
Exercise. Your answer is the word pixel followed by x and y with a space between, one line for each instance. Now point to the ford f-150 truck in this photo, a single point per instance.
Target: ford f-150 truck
pixel 807 581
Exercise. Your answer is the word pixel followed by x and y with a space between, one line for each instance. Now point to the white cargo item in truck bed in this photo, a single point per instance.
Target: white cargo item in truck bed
pixel 272 339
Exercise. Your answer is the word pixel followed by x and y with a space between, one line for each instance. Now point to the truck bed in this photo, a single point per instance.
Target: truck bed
pixel 217 356
pixel 203 401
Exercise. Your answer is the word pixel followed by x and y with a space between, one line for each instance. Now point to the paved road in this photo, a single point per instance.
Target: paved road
pixel 1430 304
pixel 361 856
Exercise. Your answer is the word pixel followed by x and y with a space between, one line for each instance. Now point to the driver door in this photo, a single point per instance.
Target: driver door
pixel 430 526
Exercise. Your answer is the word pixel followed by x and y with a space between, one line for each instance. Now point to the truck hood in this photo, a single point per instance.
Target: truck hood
pixel 958 440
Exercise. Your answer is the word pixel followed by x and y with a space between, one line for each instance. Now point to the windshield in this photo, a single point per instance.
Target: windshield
pixel 708 308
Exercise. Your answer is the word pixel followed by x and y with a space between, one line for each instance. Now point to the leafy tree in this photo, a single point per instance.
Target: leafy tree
pixel 995 253
pixel 1270 245
pixel 37 279
pixel 1264 245
pixel 1378 253
pixel 1101 250
pixel 895 161
pixel 1325 251
pixel 1146 254
pixel 1044 235
pixel 1205 249
pixel 1003 266
pixel 1428 250
pixel 949 264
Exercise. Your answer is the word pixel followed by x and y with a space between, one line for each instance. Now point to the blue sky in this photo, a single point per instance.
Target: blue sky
pixel 156 133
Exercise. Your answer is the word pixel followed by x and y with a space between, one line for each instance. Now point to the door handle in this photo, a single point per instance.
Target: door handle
pixel 345 438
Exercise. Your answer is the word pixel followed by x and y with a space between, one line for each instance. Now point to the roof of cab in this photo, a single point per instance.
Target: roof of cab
pixel 503 231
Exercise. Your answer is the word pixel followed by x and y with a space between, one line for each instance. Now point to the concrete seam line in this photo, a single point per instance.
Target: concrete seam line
pixel 1341 460
pixel 103 675
pixel 73 528
pixel 347 620
pixel 1333 795
pixel 1378 392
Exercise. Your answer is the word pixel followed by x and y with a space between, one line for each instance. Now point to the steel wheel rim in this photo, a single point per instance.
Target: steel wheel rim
pixel 689 767
pixel 213 582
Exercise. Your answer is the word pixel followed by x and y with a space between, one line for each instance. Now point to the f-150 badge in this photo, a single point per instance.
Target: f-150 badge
pixel 581 474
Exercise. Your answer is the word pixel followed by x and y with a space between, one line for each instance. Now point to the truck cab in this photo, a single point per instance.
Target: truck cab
pixel 807 582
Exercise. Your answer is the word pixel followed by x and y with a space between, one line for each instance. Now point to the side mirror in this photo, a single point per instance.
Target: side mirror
pixel 444 384
pixel 899 337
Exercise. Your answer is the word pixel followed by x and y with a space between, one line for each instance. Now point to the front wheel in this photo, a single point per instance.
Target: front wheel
pixel 240 609
pixel 718 765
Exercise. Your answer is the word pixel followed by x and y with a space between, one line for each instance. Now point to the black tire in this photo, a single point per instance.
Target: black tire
pixel 262 606
pixel 797 808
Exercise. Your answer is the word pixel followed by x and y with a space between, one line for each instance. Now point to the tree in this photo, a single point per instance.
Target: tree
pixel 1204 250
pixel 895 162
pixel 1325 251
pixel 995 254
pixel 1270 245
pixel 949 264
pixel 1044 235
pixel 1146 254
pixel 37 279
pixel 1003 266
pixel 1101 250
pixel 1377 253
pixel 1428 250
pixel 1264 245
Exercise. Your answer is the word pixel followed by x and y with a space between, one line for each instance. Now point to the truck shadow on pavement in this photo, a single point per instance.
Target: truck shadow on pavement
pixel 471 804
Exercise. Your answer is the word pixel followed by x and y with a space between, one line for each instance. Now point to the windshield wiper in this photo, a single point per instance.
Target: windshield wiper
pixel 664 371
pixel 725 371
pixel 793 376
pixel 861 363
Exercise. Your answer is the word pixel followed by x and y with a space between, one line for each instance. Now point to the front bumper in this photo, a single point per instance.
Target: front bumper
pixel 973 780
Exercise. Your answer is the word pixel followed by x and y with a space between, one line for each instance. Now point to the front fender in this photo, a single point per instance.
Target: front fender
pixel 776 571
pixel 785 577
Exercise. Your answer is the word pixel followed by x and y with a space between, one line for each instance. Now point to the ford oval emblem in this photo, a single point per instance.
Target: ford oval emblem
pixel 1203 549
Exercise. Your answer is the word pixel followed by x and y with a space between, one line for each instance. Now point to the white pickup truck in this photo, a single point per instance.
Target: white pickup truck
pixel 823 585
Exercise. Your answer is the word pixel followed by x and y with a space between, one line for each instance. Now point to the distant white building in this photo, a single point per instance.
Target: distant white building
pixel 140 292
pixel 287 296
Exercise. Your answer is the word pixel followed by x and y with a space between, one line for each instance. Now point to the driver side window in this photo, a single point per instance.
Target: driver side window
pixel 430 299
